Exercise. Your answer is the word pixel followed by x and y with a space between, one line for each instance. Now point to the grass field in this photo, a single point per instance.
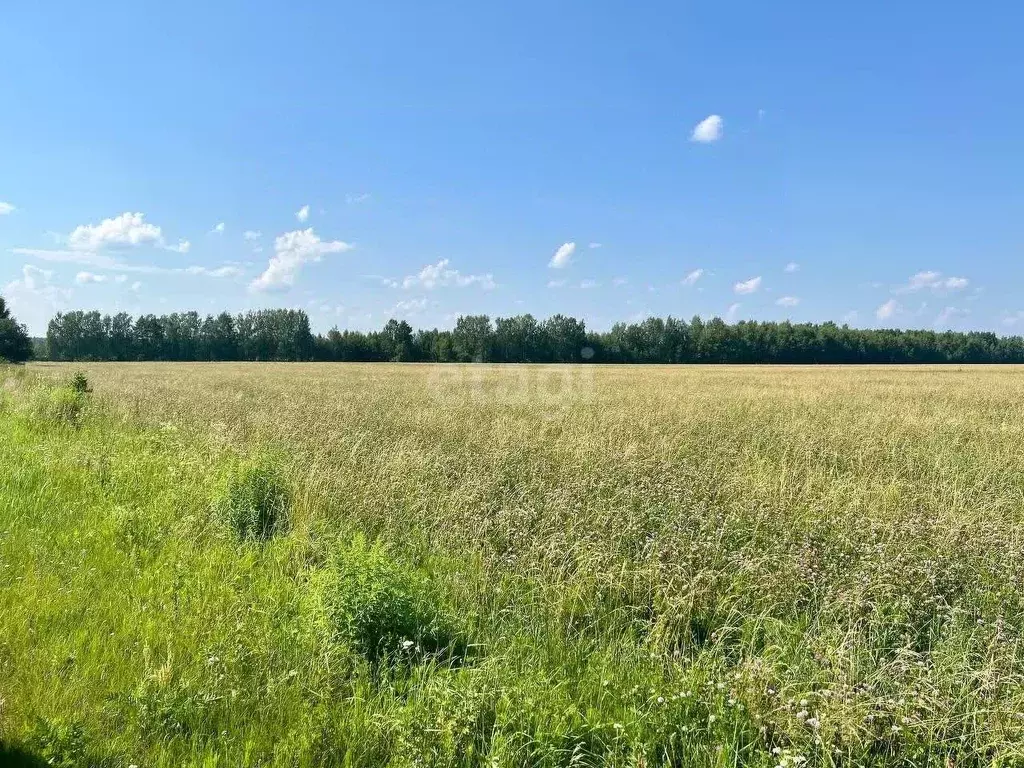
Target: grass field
pixel 381 565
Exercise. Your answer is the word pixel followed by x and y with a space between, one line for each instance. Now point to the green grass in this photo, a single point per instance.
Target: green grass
pixel 247 565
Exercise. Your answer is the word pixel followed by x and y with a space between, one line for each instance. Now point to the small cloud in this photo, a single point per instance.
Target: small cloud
pixel 84 278
pixel 219 272
pixel 933 281
pixel 125 230
pixel 951 316
pixel 252 235
pixel 136 286
pixel 33 298
pixel 441 276
pixel 592 246
pixel 302 214
pixel 748 286
pixel 692 277
pixel 385 281
pixel 183 246
pixel 355 199
pixel 291 251
pixel 618 281
pixel 791 267
pixel 556 283
pixel 788 301
pixel 6 208
pixel 562 256
pixel 850 317
pixel 587 284
pixel 408 307
pixel 708 130
pixel 218 228
pixel 120 279
pixel 732 312
pixel 887 310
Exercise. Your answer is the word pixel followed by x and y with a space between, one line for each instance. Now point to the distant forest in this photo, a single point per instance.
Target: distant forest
pixel 285 335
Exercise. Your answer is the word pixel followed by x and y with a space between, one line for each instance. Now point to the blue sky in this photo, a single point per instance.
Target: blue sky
pixel 611 160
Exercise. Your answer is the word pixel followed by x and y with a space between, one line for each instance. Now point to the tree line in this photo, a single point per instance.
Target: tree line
pixel 285 335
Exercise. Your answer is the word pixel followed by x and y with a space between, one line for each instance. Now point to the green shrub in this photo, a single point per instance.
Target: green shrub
pixel 59 404
pixel 256 501
pixel 381 607
pixel 79 383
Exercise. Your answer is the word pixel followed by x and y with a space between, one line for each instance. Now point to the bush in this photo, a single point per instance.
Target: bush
pixel 381 607
pixel 79 383
pixel 256 501
pixel 59 404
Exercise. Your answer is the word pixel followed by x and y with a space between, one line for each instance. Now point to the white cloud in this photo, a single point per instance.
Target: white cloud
pixel 6 208
pixel 183 246
pixel 787 301
pixel 562 256
pixel 355 199
pixel 595 245
pixel 84 278
pixel 851 317
pixel 218 228
pixel 556 283
pixel 33 298
pixel 587 284
pixel 126 229
pixel 933 281
pixel 693 277
pixel 441 276
pixel 408 307
pixel 385 281
pixel 136 286
pixel 291 251
pixel 887 310
pixel 119 279
pixel 252 235
pixel 302 214
pixel 227 270
pixel 619 281
pixel 791 267
pixel 83 258
pixel 104 262
pixel 748 286
pixel 732 312
pixel 951 316
pixel 708 130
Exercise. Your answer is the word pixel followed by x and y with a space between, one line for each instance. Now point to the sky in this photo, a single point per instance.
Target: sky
pixel 855 162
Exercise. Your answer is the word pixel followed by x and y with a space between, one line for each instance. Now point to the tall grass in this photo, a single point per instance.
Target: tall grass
pixel 513 566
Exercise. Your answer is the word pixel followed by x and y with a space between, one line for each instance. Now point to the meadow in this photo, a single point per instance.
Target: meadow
pixel 247 564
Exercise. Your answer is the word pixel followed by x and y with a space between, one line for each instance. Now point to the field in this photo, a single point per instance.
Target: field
pixel 406 565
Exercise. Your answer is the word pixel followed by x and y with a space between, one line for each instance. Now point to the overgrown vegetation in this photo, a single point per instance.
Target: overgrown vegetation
pixel 255 500
pixel 285 335
pixel 513 566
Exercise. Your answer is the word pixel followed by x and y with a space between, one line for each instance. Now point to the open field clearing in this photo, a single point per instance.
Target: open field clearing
pixel 405 565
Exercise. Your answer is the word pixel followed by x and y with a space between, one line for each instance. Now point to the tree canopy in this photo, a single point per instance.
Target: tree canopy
pixel 283 335
pixel 15 344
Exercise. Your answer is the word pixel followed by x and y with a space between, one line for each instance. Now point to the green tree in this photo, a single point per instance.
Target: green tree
pixel 15 343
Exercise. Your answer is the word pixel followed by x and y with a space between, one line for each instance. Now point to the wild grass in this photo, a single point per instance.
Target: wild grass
pixel 544 566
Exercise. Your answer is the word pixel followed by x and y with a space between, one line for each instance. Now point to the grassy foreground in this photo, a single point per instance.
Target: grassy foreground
pixel 313 565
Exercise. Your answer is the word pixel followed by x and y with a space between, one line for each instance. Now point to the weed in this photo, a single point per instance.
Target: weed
pixel 255 500
pixel 382 606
